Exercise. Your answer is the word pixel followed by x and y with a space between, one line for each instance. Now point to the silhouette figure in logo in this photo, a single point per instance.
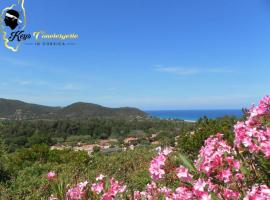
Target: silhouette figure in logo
pixel 12 19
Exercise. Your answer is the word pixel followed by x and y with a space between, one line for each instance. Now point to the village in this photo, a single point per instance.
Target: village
pixel 109 145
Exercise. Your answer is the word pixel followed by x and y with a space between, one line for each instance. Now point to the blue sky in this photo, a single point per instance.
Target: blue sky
pixel 151 54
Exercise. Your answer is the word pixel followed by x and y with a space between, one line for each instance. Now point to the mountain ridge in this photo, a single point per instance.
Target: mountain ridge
pixel 19 110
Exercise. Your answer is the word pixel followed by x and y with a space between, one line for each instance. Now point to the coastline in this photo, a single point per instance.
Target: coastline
pixel 194 115
pixel 190 121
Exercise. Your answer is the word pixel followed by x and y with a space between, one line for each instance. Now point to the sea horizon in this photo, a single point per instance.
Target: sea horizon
pixel 194 114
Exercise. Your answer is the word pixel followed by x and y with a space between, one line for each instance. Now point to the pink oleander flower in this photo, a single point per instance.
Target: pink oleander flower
pixel 115 189
pixel 217 159
pixel 236 165
pixel 183 193
pixel 51 175
pixel 167 192
pixel 258 192
pixel 154 192
pixel 137 195
pixel 100 177
pixel 261 109
pixel 251 134
pixel 53 198
pixel 239 176
pixel 230 194
pixel 225 175
pixel 97 187
pixel 264 105
pixel 150 193
pixel 183 174
pixel 199 185
pixel 166 151
pixel 205 196
pixel 200 189
pixel 265 147
pixel 156 168
pixel 77 193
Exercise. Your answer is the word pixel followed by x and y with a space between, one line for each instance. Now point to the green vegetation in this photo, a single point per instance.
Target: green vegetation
pixel 4 173
pixel 18 134
pixel 29 168
pixel 22 174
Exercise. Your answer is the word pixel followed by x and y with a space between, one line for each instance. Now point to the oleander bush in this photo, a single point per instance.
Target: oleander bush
pixel 190 142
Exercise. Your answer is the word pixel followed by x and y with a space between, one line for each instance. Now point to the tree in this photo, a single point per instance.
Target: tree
pixel 39 138
pixel 4 174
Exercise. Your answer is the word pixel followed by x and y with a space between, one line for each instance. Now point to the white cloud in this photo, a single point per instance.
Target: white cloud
pixel 219 70
pixel 25 82
pixel 16 62
pixel 52 85
pixel 32 64
pixel 71 86
pixel 191 70
pixel 29 82
pixel 179 70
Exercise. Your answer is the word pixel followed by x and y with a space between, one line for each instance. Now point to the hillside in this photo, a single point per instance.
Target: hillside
pixel 19 110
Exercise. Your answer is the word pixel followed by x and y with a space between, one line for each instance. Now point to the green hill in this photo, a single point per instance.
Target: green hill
pixel 19 110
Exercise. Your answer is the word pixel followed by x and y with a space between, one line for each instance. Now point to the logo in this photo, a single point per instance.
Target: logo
pixel 12 19
pixel 13 24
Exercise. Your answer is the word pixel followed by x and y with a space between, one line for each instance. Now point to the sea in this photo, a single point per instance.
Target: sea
pixel 193 115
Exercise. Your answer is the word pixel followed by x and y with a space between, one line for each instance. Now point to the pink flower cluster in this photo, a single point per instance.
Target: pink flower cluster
pixel 258 192
pixel 252 134
pixel 98 187
pixel 115 188
pixel 183 174
pixel 51 175
pixel 77 192
pixel 153 191
pixel 157 164
pixel 217 160
pixel 262 109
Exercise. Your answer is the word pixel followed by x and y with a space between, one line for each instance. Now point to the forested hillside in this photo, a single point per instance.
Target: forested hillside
pixel 19 110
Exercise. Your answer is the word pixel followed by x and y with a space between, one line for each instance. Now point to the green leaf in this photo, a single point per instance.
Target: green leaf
pixel 244 170
pixel 214 196
pixel 187 163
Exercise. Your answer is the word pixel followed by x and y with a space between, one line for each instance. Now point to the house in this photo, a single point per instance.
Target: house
pixel 130 139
